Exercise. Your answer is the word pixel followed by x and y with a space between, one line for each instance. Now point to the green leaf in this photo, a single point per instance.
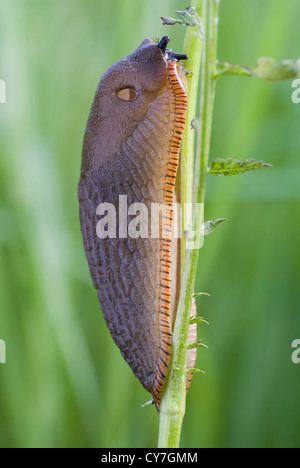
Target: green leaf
pixel 266 69
pixel 188 17
pixel 197 344
pixel 228 167
pixel 225 68
pixel 209 226
pixel 167 21
pixel 194 370
pixel 194 320
pixel 201 294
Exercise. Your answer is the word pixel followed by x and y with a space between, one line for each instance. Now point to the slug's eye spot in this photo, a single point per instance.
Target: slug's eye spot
pixel 127 94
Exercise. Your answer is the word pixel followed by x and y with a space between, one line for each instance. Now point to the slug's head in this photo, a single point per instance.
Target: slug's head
pixel 123 97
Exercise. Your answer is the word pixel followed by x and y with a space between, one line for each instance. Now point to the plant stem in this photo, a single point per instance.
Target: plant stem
pixel 172 407
pixel 193 48
pixel 207 97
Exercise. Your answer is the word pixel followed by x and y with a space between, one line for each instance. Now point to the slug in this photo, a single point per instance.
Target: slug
pixel 131 148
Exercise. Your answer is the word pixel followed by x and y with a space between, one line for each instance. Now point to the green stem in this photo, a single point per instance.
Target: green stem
pixel 193 48
pixel 172 407
pixel 207 97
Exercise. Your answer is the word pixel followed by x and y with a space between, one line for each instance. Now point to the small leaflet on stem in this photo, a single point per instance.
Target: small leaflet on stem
pixel 194 370
pixel 197 344
pixel 201 294
pixel 228 167
pixel 209 226
pixel 188 17
pixel 198 320
pixel 266 69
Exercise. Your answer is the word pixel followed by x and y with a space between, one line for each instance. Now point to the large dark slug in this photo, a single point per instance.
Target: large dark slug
pixel 131 147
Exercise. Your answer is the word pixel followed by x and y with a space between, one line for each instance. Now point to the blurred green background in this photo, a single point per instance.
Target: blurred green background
pixel 65 383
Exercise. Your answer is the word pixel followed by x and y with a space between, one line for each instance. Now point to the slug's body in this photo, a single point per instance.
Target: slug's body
pixel 131 147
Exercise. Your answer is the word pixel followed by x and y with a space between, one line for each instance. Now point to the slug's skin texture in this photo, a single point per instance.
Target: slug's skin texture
pixel 132 148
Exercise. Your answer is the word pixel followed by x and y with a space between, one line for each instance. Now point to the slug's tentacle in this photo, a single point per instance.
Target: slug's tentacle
pixel 162 45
